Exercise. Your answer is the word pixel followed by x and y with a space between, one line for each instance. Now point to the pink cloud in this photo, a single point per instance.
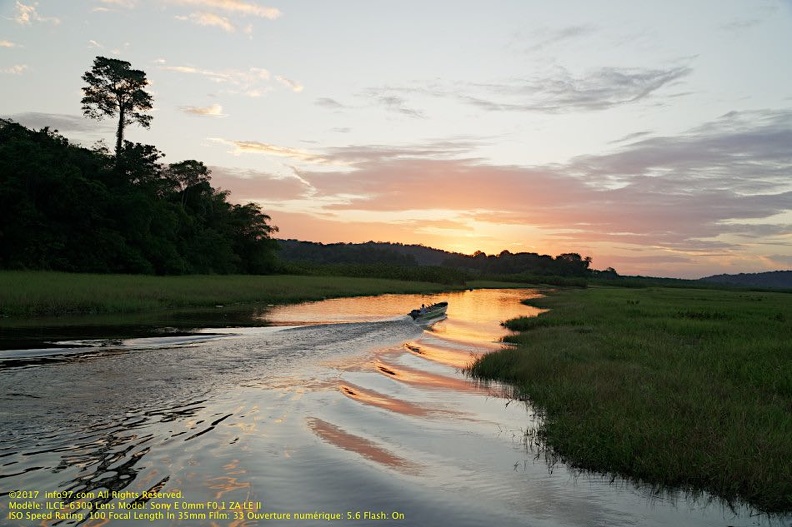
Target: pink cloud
pixel 709 194
pixel 247 185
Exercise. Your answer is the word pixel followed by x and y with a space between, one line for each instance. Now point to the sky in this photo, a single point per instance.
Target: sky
pixel 653 136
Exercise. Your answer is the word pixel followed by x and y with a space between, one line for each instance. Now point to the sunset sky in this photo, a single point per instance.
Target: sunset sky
pixel 653 136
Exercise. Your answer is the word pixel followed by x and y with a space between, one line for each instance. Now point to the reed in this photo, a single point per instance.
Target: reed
pixel 38 293
pixel 683 388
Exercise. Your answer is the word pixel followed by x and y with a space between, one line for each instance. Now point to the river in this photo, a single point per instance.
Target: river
pixel 335 409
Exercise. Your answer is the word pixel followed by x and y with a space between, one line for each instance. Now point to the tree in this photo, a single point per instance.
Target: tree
pixel 116 89
pixel 186 174
pixel 572 264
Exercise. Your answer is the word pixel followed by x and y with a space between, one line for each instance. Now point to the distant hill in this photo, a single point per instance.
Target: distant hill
pixel 505 263
pixel 356 253
pixel 771 279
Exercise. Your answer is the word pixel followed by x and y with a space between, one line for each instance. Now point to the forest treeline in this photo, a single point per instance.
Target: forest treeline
pixel 506 265
pixel 68 208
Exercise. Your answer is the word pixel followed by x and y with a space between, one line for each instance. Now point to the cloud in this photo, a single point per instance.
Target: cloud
pixel 126 4
pixel 703 192
pixel 234 6
pixel 555 91
pixel 543 38
pixel 562 91
pixel 250 82
pixel 253 82
pixel 248 184
pixel 60 122
pixel 8 44
pixel 215 110
pixel 329 103
pixel 630 137
pixel 255 147
pixel 27 14
pixel 16 69
pixel 292 85
pixel 393 102
pixel 211 20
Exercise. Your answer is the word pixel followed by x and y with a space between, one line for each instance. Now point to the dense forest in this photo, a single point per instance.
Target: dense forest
pixel 68 208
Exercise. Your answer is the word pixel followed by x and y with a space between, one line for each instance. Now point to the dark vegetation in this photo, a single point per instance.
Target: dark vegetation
pixel 67 208
pixel 769 280
pixel 395 260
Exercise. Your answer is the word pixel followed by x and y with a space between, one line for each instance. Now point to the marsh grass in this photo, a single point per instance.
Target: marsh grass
pixel 37 293
pixel 686 388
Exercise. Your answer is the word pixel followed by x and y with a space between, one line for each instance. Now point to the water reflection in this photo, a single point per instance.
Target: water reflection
pixel 333 406
pixel 360 445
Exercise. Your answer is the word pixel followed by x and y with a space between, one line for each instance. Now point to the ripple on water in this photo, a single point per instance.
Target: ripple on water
pixel 347 406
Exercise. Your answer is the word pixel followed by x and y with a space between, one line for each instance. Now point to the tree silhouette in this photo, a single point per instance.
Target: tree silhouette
pixel 116 89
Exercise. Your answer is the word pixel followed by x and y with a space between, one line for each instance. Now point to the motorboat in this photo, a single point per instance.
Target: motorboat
pixel 425 313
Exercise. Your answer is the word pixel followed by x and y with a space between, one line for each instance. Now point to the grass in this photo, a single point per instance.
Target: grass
pixel 682 388
pixel 38 293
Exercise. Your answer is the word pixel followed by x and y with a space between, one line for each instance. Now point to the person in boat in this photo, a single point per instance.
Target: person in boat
pixel 422 310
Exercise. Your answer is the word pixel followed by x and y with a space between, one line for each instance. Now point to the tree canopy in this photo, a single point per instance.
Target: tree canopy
pixel 115 89
pixel 68 208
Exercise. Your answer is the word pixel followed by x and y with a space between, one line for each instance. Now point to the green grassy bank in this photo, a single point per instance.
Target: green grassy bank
pixel 677 388
pixel 39 293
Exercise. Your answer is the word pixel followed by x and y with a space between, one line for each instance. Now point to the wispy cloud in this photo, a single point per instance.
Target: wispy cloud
pixel 61 122
pixel 27 14
pixel 234 6
pixel 16 69
pixel 126 4
pixel 8 44
pixel 563 91
pixel 247 184
pixel 251 82
pixel 392 100
pixel 327 102
pixel 209 19
pixel 214 110
pixel 256 147
pixel 292 85
pixel 539 39
pixel 555 91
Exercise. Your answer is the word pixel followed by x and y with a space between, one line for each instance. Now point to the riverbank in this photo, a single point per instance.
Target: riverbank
pixel 41 293
pixel 675 388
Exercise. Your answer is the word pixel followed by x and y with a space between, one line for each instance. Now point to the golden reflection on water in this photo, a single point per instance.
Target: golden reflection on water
pixel 392 347
pixel 450 357
pixel 360 445
pixel 222 485
pixel 425 379
pixel 373 398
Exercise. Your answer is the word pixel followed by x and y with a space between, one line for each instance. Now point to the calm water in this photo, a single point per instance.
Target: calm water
pixel 338 407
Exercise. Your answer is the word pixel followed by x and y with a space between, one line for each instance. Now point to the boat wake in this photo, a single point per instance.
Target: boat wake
pixel 328 411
